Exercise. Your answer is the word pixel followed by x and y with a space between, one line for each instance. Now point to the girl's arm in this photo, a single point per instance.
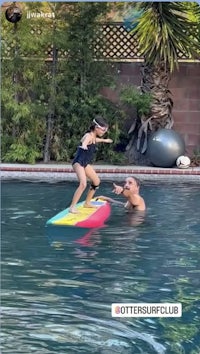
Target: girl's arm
pixel 86 140
pixel 101 140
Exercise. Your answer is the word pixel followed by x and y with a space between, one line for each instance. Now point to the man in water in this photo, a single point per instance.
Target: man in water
pixel 130 191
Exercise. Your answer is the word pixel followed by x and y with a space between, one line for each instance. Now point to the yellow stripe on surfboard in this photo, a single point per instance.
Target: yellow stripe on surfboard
pixel 73 219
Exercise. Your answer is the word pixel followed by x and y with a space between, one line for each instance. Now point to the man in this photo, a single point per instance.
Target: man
pixel 130 191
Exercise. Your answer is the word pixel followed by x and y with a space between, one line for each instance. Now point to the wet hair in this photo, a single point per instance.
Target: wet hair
pixel 138 182
pixel 98 120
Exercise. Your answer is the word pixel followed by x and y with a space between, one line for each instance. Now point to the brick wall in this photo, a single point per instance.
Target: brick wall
pixel 185 88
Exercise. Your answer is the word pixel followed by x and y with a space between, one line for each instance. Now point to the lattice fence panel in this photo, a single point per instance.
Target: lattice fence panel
pixel 113 42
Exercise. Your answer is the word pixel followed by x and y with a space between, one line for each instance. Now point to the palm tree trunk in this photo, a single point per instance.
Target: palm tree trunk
pixel 155 79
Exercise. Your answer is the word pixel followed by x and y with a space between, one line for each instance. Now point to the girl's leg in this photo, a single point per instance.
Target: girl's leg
pixel 80 172
pixel 92 175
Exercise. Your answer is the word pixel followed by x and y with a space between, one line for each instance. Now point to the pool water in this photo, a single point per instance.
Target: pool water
pixel 57 292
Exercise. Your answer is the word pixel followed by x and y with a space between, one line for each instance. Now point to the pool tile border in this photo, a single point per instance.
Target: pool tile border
pixel 57 173
pixel 156 171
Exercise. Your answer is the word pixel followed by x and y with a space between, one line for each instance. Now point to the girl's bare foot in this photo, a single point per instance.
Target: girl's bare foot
pixel 73 210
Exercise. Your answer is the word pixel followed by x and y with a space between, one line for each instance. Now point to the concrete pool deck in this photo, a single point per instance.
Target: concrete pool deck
pixel 64 172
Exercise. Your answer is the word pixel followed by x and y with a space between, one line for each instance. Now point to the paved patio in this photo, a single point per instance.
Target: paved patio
pixel 64 172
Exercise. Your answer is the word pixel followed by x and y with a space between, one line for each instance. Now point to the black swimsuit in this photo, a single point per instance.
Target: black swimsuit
pixel 84 157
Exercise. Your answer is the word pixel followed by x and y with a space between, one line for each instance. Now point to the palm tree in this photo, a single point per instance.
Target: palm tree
pixel 165 32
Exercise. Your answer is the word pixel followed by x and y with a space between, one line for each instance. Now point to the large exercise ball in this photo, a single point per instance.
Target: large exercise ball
pixel 164 147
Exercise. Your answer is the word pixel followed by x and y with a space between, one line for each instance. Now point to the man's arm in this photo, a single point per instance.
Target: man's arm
pixel 110 200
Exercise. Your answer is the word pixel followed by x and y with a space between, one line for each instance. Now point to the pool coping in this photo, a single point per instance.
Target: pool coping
pixel 65 172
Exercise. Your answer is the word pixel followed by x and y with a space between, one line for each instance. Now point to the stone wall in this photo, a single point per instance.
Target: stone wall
pixel 185 89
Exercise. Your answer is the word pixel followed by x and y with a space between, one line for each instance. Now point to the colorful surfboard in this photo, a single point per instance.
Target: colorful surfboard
pixel 85 218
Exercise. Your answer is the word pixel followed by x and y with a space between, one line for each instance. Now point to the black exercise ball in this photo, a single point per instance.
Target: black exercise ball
pixel 164 147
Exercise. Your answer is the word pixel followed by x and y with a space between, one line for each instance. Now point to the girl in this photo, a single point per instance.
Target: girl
pixel 83 158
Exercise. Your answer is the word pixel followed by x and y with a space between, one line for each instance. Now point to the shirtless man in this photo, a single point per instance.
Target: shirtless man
pixel 131 192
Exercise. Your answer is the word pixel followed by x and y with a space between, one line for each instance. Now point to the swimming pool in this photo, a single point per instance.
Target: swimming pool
pixel 57 294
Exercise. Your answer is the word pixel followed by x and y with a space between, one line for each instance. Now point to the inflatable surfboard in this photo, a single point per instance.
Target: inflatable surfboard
pixel 87 218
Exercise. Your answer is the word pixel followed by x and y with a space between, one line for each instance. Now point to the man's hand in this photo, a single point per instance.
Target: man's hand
pixel 117 189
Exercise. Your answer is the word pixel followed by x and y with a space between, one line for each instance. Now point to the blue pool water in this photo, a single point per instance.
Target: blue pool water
pixel 57 293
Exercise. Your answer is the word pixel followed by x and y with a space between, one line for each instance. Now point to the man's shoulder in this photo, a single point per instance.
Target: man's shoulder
pixel 135 197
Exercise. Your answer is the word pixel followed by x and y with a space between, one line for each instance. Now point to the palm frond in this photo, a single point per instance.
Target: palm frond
pixel 165 30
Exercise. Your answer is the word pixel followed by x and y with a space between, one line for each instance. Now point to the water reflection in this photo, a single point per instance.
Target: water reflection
pixel 60 235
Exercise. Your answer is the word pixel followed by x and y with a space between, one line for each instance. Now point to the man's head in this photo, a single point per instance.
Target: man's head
pixel 132 184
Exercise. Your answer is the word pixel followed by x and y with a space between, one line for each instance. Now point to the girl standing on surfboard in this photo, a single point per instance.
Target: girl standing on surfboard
pixel 83 158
